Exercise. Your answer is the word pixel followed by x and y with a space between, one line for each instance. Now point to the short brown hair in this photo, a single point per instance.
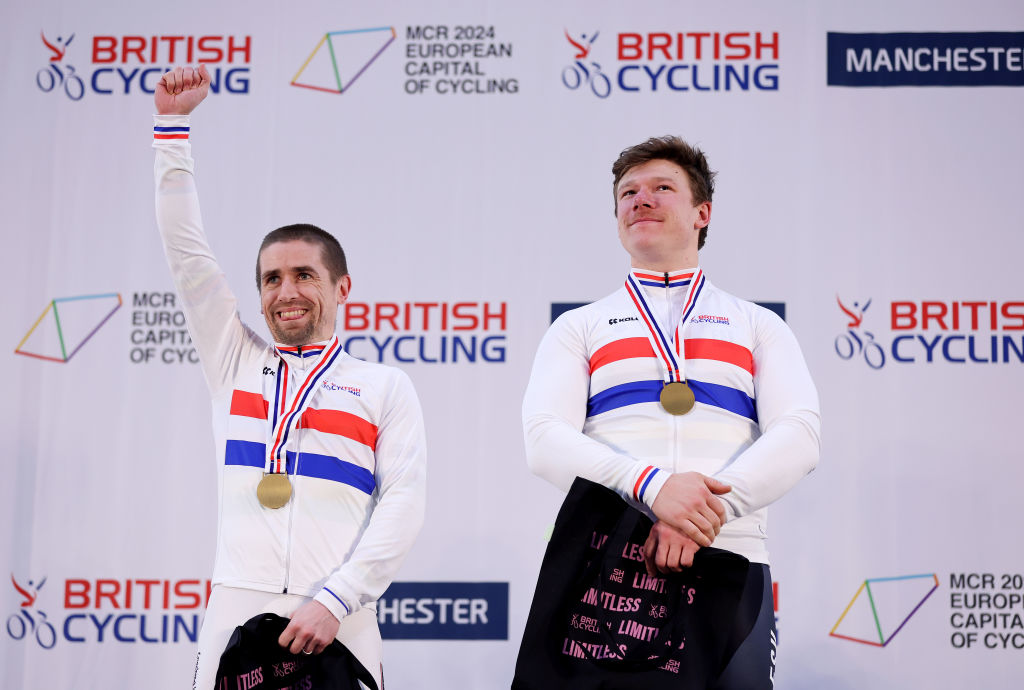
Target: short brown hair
pixel 330 249
pixel 673 149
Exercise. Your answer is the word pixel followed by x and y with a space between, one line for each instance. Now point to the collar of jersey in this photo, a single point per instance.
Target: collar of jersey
pixel 663 279
pixel 301 357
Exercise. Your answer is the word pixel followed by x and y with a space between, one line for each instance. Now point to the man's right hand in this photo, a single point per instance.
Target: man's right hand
pixel 179 91
pixel 688 502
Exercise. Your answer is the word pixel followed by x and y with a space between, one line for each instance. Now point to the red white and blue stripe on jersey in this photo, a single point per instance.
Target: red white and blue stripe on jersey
pixel 170 132
pixel 654 279
pixel 303 352
pixel 642 482
pixel 738 359
pixel 354 433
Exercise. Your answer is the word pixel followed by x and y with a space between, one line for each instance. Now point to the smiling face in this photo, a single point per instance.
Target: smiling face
pixel 659 224
pixel 299 300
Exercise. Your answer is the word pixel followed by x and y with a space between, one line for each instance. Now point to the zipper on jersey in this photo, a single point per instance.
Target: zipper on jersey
pixel 676 419
pixel 288 536
pixel 291 505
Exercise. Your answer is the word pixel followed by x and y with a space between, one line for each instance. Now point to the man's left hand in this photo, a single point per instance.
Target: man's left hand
pixel 311 629
pixel 668 550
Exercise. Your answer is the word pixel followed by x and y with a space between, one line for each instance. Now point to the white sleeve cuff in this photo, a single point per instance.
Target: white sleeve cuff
pixel 170 129
pixel 648 484
pixel 334 603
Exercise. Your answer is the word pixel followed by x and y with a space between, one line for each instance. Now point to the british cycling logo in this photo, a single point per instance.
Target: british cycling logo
pixel 857 341
pixel 52 77
pixel 130 64
pixel 677 61
pixel 30 622
pixel 124 610
pixel 929 331
pixel 578 74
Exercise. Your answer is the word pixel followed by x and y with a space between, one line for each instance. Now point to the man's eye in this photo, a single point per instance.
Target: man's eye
pixel 270 280
pixel 628 192
pixel 305 276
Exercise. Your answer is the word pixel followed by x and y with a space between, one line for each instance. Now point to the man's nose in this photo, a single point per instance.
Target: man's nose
pixel 288 289
pixel 643 198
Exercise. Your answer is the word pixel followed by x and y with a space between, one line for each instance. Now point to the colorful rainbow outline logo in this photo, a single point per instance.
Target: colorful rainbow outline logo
pixel 329 41
pixel 866 587
pixel 65 355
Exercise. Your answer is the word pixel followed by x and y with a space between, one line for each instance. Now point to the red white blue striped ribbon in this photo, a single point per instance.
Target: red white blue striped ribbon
pixel 670 354
pixel 170 132
pixel 284 421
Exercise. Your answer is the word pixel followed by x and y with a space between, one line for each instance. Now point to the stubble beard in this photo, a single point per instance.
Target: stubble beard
pixel 293 338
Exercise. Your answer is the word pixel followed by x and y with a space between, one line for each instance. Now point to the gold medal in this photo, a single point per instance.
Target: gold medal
pixel 274 490
pixel 677 398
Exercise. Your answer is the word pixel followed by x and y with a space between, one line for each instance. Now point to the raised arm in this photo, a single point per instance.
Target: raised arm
pixel 207 301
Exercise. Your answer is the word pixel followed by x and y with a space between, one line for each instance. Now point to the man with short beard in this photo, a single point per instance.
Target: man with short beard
pixel 321 456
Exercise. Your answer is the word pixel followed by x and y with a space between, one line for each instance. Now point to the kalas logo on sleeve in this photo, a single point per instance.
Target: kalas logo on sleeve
pixel 674 60
pixel 132 64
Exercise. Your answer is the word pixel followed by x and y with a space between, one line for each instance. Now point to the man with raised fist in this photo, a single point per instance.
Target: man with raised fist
pixel 321 456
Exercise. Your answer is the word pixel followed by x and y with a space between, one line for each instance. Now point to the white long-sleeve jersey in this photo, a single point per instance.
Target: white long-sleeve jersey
pixel 591 407
pixel 357 463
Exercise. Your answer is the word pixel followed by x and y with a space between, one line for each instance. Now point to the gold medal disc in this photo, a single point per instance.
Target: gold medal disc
pixel 676 398
pixel 274 490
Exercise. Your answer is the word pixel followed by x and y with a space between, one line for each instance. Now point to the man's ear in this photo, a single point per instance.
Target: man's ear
pixel 704 214
pixel 344 288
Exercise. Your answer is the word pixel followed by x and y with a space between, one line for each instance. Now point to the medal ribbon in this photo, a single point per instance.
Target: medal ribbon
pixel 284 420
pixel 672 358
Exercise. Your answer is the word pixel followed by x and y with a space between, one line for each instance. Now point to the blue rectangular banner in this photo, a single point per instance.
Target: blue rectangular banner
pixel 987 58
pixel 444 611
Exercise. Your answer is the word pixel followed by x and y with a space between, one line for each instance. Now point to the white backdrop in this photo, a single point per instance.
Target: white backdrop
pixel 485 179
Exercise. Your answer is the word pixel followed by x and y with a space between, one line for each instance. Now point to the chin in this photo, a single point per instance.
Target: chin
pixel 293 338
